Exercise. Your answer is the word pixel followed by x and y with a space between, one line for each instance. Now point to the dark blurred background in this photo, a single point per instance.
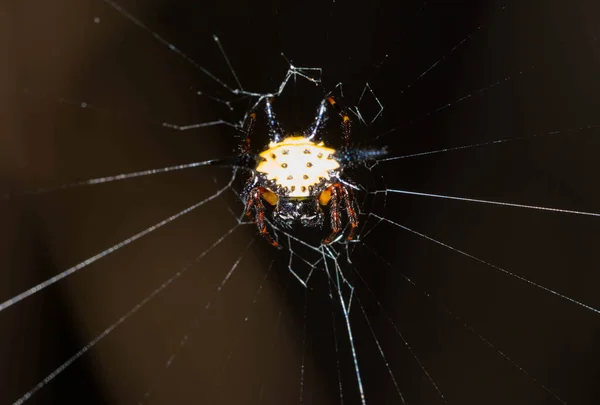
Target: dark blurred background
pixel 506 70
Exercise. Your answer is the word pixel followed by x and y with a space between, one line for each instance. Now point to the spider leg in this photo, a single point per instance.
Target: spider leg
pixel 352 214
pixel 254 201
pixel 275 131
pixel 317 125
pixel 346 121
pixel 247 131
pixel 334 213
pixel 341 194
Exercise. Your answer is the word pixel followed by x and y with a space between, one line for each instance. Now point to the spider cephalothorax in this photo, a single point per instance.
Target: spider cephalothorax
pixel 306 211
pixel 297 176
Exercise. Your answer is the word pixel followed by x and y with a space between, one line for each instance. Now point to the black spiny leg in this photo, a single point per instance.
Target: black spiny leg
pixel 256 195
pixel 346 122
pixel 275 131
pixel 247 131
pixel 352 215
pixel 334 213
pixel 254 201
pixel 336 195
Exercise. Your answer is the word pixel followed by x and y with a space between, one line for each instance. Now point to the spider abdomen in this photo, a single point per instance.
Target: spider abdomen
pixel 297 164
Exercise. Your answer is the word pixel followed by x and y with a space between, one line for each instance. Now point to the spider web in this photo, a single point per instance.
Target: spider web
pixel 131 276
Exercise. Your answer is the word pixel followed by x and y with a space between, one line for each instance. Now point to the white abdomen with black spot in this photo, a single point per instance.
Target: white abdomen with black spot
pixel 297 163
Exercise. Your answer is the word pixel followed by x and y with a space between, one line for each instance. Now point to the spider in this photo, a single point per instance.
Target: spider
pixel 298 175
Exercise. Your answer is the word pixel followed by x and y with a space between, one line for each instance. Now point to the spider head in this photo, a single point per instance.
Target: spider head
pixel 304 210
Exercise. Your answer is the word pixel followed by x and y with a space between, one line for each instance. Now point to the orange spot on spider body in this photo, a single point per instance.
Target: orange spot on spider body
pixel 270 197
pixel 325 197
